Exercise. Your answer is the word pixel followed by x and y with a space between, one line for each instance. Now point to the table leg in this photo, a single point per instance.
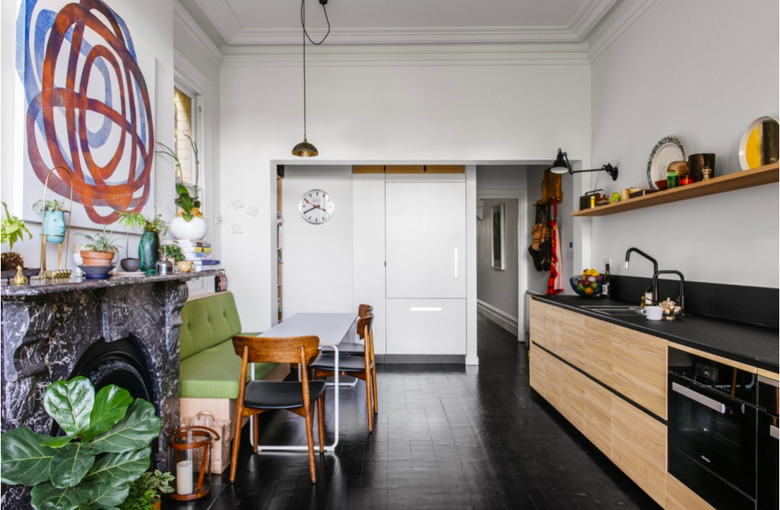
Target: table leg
pixel 336 412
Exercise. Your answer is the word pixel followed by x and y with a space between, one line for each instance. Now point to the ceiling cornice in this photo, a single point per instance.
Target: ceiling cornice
pixel 184 18
pixel 624 20
pixel 429 56
pixel 222 17
pixel 588 17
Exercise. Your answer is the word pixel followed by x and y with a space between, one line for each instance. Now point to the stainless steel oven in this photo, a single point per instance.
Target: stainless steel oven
pixel 768 451
pixel 712 429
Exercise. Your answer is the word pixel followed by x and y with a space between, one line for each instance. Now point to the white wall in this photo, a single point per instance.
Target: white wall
pixel 702 71
pixel 372 112
pixel 317 269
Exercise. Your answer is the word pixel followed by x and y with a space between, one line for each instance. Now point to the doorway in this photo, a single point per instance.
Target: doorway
pixel 501 228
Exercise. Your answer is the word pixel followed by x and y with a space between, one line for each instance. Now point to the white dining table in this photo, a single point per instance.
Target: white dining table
pixel 331 329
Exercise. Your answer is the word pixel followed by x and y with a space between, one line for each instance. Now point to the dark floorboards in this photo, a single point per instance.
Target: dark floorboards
pixel 446 437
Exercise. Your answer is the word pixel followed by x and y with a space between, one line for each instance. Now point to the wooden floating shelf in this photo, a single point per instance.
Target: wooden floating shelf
pixel 730 182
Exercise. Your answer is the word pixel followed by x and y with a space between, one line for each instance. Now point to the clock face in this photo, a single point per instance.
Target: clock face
pixel 316 206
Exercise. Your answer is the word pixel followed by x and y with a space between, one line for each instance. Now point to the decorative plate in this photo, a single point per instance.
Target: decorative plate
pixel 668 149
pixel 759 145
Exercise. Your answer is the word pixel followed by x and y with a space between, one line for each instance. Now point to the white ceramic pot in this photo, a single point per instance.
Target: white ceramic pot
pixel 183 229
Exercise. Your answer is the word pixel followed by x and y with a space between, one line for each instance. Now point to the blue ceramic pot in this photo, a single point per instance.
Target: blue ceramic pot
pixel 54 226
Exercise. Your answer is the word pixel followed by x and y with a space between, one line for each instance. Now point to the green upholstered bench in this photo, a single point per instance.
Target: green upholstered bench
pixel 209 367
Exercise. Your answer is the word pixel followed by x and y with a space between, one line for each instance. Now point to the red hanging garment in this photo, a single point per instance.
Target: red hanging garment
pixel 555 282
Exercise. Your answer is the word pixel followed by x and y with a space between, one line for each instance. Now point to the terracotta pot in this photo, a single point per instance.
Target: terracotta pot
pixel 97 258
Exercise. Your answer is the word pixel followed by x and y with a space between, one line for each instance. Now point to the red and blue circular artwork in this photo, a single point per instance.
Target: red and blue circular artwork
pixel 88 108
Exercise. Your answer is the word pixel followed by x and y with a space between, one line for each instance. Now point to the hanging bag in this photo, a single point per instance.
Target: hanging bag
pixel 541 238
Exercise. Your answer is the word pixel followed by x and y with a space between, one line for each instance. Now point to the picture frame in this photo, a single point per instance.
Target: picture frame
pixel 498 219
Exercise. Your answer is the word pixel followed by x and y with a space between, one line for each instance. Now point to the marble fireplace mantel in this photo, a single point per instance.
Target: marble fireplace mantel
pixel 48 327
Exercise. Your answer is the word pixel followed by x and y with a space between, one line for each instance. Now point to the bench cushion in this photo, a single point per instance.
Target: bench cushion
pixel 208 322
pixel 213 372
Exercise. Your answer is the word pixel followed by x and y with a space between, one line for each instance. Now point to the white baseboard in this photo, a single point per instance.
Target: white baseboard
pixel 499 317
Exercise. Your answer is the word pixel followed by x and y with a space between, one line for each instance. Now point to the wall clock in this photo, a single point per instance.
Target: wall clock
pixel 316 206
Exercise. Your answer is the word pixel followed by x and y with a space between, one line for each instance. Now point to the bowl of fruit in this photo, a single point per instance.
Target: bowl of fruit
pixel 588 284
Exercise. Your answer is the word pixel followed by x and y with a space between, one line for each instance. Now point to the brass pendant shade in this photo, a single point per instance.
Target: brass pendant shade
pixel 304 149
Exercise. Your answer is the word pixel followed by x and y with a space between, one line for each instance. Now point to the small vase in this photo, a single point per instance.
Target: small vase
pixel 54 226
pixel 148 251
pixel 183 229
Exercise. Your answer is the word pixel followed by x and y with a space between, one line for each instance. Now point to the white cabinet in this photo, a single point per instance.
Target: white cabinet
pixel 426 326
pixel 426 239
pixel 425 226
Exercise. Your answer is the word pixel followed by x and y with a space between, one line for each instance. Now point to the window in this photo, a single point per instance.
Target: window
pixel 184 117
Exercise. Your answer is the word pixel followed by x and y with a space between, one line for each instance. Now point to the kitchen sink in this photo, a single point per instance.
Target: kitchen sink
pixel 614 309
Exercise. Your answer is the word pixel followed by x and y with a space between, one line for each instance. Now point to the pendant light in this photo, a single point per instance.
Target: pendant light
pixel 305 149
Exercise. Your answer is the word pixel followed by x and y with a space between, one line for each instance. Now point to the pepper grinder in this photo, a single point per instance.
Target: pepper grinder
pixel 706 172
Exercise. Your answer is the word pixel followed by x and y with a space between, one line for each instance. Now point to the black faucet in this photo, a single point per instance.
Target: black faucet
pixel 682 286
pixel 645 255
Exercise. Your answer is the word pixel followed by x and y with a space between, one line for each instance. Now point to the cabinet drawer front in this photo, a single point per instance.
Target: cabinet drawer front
pixel 639 368
pixel 426 326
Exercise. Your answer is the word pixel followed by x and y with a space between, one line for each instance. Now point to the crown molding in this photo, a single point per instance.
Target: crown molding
pixel 222 17
pixel 616 28
pixel 368 56
pixel 184 69
pixel 184 18
pixel 588 17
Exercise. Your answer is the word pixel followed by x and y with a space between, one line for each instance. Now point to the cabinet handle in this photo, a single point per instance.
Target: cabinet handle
pixel 455 260
pixel 425 309
pixel 774 432
pixel 698 397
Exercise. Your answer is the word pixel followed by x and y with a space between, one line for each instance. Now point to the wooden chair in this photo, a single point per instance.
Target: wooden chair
pixel 256 397
pixel 361 367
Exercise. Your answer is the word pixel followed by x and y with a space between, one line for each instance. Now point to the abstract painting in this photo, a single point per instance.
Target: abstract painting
pixel 88 112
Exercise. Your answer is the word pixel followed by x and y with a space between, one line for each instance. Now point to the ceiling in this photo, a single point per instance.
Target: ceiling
pixel 235 23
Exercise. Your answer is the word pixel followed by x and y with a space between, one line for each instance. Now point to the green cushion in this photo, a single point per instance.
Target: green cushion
pixel 208 322
pixel 213 372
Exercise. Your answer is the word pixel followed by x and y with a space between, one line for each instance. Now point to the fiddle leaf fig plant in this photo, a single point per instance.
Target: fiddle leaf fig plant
pixel 105 447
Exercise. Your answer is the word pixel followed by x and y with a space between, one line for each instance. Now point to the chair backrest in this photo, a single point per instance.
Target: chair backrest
pixel 365 332
pixel 207 322
pixel 364 311
pixel 276 350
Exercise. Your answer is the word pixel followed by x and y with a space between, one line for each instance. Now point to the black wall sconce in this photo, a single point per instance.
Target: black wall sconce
pixel 561 166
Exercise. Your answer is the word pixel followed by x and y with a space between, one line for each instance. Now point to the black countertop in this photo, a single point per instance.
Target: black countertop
pixel 754 345
pixel 38 287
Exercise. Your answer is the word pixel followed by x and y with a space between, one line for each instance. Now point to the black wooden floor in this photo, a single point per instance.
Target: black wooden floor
pixel 447 437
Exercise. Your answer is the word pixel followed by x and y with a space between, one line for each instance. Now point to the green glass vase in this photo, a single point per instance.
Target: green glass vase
pixel 149 251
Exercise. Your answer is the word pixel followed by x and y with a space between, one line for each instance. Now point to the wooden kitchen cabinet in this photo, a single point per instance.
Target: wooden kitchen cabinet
pixel 680 497
pixel 639 448
pixel 639 368
pixel 610 383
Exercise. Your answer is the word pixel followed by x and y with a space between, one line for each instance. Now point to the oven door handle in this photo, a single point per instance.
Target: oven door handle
pixel 774 432
pixel 698 397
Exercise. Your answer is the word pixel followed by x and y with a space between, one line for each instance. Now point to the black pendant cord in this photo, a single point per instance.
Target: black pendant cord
pixel 306 36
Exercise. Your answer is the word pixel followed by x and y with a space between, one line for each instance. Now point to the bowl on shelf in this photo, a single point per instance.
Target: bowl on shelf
pixel 587 286
pixel 97 272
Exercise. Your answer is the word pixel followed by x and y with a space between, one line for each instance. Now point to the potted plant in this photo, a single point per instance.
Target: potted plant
pixel 53 219
pixel 12 230
pixel 104 449
pixel 189 222
pixel 174 252
pixel 148 246
pixel 100 250
pixel 146 489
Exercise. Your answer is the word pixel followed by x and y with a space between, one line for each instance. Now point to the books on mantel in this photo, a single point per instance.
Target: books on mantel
pixel 197 251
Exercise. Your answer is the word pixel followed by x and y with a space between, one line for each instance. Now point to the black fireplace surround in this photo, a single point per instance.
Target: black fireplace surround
pixel 122 331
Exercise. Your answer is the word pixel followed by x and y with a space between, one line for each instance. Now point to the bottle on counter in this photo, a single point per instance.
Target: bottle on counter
pixel 606 284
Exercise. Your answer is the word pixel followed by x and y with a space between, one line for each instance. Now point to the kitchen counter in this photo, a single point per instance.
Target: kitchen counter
pixel 746 343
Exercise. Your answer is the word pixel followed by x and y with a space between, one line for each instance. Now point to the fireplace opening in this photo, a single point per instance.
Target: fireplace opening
pixel 121 363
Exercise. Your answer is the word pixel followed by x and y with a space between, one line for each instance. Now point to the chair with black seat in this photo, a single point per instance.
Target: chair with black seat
pixel 256 397
pixel 360 367
pixel 358 347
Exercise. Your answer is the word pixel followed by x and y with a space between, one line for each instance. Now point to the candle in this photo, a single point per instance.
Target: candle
pixel 184 477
